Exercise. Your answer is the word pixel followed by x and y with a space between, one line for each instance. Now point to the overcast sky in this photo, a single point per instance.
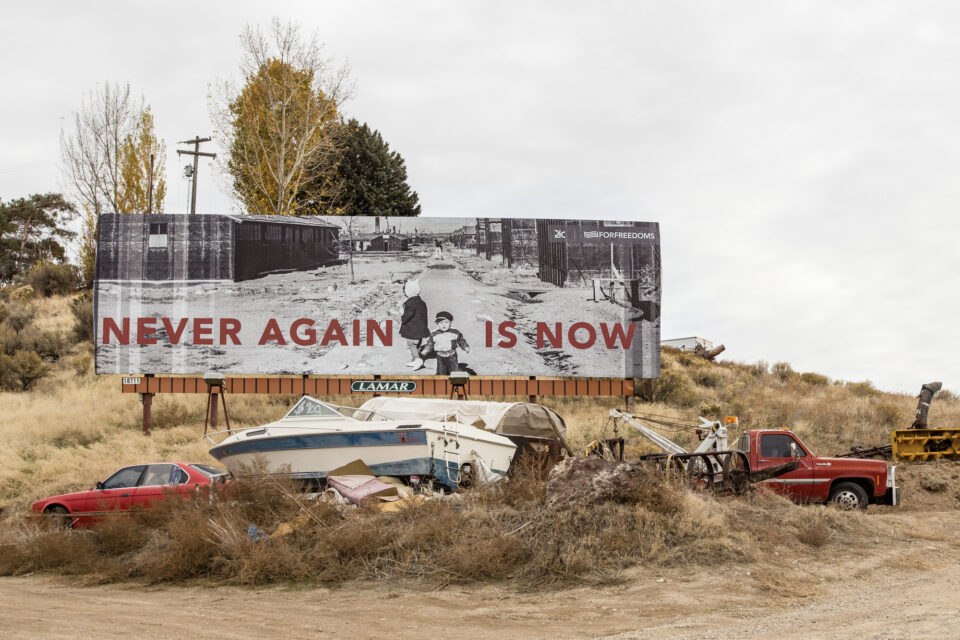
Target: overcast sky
pixel 802 158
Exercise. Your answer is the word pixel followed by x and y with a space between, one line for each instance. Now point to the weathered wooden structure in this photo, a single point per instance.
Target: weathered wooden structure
pixel 163 247
pixel 577 260
pixel 380 242
pixel 147 386
pixel 489 237
pixel 519 242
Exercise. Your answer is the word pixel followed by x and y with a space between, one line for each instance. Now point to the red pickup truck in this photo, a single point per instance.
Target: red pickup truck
pixel 850 483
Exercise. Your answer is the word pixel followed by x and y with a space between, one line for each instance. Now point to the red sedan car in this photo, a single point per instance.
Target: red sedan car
pixel 131 487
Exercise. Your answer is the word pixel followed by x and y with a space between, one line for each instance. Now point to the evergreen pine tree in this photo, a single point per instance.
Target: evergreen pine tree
pixel 370 179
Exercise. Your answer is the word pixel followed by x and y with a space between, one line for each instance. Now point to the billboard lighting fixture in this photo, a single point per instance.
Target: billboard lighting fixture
pixel 459 378
pixel 214 379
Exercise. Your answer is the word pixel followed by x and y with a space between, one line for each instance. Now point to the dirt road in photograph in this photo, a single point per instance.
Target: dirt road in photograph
pixel 909 590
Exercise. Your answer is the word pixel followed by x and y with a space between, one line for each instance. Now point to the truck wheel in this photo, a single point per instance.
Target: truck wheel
pixel 849 496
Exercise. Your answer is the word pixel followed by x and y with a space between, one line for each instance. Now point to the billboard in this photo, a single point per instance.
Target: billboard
pixel 245 294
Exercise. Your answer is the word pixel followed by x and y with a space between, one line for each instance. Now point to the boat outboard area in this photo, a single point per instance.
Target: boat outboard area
pixel 315 437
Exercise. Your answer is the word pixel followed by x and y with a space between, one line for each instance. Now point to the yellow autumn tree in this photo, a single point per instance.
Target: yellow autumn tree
pixel 279 126
pixel 135 152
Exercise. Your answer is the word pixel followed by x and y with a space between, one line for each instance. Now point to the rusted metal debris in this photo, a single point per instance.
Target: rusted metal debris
pixel 593 478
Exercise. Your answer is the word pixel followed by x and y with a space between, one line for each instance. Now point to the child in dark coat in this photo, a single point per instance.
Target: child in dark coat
pixel 413 322
pixel 446 340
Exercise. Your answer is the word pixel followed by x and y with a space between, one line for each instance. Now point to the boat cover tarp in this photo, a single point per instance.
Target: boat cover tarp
pixel 524 419
pixel 355 482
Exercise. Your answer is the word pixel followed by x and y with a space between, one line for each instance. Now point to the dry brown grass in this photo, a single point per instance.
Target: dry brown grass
pixel 499 534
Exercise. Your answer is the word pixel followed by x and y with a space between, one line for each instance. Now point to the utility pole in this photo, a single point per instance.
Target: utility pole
pixel 196 153
pixel 150 195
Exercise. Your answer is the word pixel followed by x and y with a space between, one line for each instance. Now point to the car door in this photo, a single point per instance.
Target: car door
pixel 157 482
pixel 116 492
pixel 778 447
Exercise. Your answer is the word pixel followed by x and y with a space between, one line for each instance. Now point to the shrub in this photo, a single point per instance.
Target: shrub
pixel 945 394
pixel 815 379
pixel 8 374
pixel 783 372
pixel 82 364
pixel 23 293
pixel 21 370
pixel 711 410
pixel 50 279
pixel 50 345
pixel 82 310
pixel 888 414
pixel 706 377
pixel 672 387
pixel 760 369
pixel 862 389
pixel 20 315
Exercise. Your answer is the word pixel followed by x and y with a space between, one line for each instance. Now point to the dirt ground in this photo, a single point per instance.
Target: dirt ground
pixel 905 590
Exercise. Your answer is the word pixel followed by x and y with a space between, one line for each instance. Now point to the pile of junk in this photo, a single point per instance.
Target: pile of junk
pixel 390 447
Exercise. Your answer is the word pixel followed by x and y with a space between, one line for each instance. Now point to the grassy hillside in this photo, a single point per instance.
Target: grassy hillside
pixel 72 427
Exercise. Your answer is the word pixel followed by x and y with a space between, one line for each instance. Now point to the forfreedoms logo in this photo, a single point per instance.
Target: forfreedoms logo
pixel 620 235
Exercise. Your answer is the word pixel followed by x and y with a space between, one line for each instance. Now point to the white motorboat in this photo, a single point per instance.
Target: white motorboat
pixel 315 437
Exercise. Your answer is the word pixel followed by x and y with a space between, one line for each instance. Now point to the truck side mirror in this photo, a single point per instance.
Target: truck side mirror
pixel 99 486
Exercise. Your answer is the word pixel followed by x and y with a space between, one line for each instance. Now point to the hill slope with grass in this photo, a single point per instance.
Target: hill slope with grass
pixel 66 428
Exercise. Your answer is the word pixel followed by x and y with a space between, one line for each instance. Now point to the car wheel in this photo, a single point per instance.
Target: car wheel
pixel 849 496
pixel 58 517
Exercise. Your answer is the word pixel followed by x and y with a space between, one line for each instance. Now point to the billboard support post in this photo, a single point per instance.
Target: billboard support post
pixel 147 400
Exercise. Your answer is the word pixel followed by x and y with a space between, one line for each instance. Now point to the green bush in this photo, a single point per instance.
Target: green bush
pixel 50 279
pixel 672 387
pixel 22 294
pixel 82 310
pixel 19 371
pixel 815 379
pixel 47 344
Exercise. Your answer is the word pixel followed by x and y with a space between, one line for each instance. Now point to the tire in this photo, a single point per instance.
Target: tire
pixel 58 518
pixel 849 496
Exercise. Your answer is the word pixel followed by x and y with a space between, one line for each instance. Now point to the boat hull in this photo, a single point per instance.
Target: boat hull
pixel 393 452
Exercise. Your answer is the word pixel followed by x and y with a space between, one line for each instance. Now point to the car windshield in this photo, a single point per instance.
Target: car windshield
pixel 207 470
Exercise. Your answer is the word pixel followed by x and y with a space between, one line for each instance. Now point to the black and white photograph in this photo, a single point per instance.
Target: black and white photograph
pixel 390 295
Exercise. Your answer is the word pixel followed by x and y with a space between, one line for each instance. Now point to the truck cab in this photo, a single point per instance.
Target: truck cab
pixel 850 483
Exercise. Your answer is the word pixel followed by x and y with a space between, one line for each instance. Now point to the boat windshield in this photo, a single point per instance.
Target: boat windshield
pixel 310 408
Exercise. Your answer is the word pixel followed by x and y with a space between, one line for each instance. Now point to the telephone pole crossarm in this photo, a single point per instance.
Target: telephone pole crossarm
pixel 196 153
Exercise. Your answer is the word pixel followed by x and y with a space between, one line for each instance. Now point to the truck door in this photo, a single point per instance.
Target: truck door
pixel 778 447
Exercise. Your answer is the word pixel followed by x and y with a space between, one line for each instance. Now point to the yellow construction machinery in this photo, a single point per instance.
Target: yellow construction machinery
pixel 920 443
